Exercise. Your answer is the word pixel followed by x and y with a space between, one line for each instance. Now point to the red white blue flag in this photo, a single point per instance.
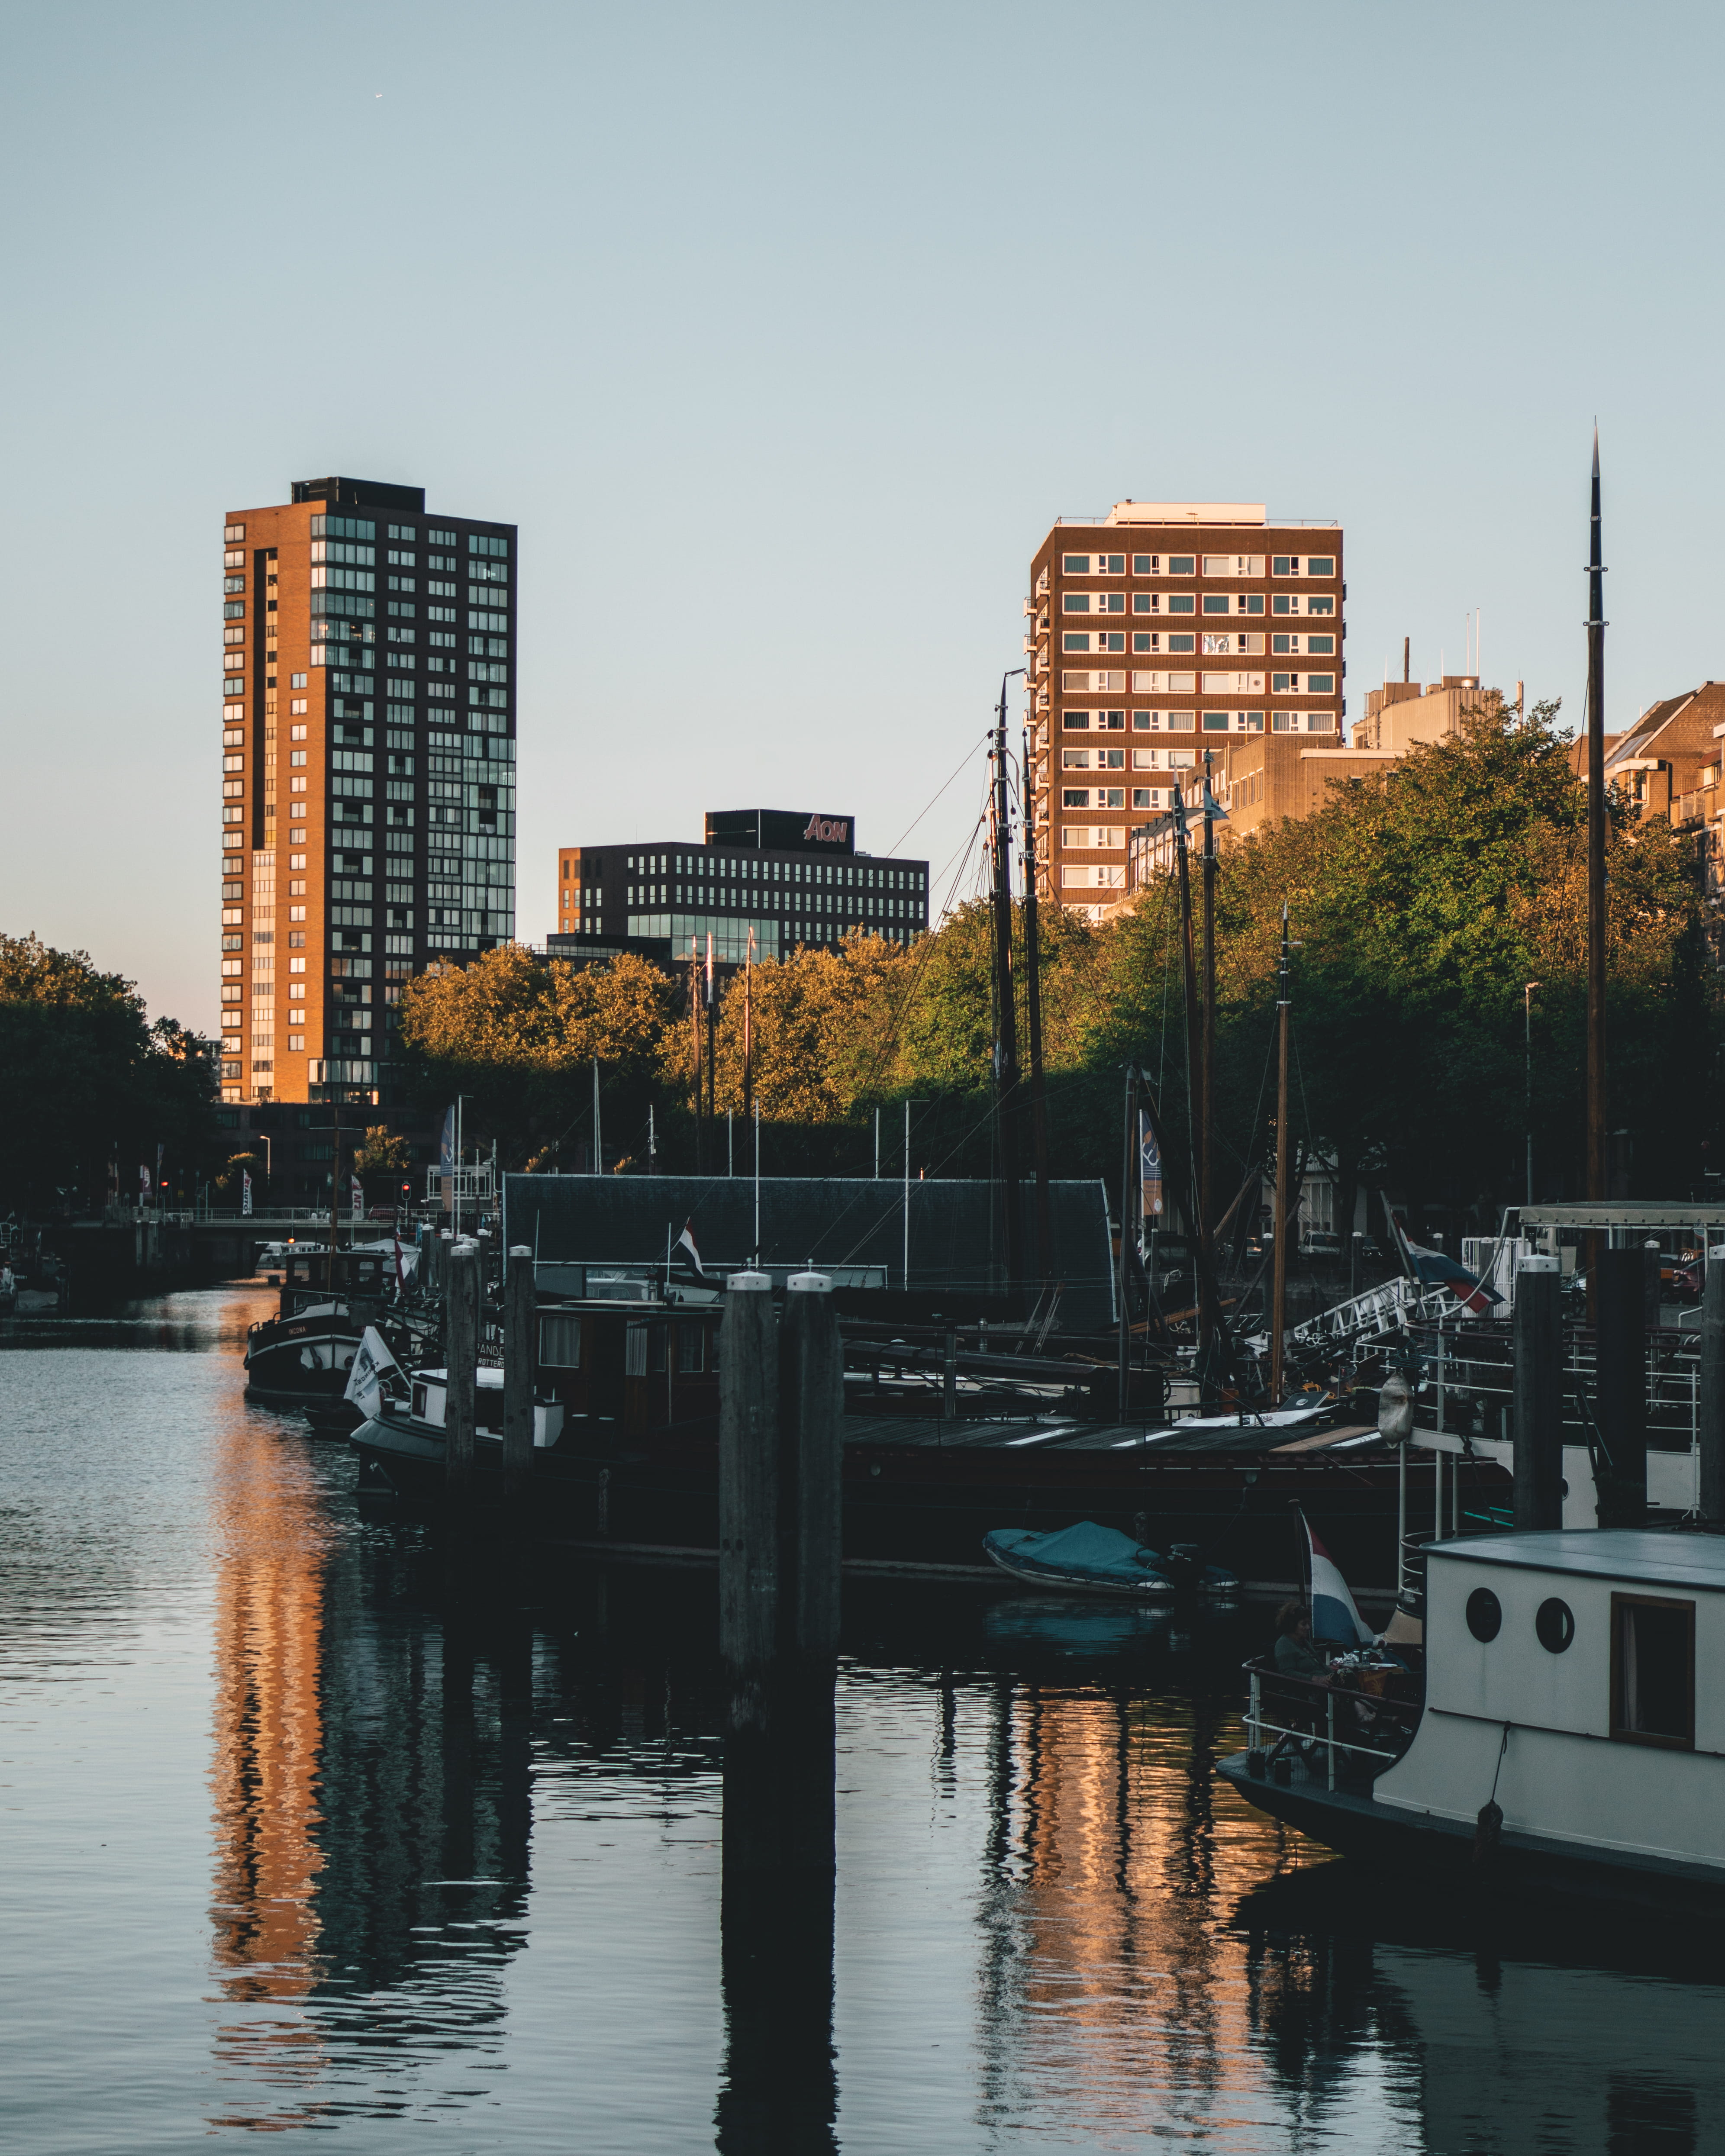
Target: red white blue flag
pixel 1432 1269
pixel 1333 1615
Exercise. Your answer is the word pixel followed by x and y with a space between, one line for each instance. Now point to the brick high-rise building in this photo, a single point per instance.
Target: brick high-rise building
pixel 1157 631
pixel 368 722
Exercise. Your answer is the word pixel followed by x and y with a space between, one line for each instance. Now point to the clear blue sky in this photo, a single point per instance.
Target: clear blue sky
pixel 785 334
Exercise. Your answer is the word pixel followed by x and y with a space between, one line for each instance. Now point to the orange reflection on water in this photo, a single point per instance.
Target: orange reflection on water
pixel 271 1553
pixel 1125 1982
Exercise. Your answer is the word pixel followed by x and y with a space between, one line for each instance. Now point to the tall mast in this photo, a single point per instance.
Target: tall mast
pixel 1194 1097
pixel 1278 1284
pixel 1033 1016
pixel 1206 1194
pixel 1595 855
pixel 694 1023
pixel 336 1177
pixel 712 1045
pixel 1006 1039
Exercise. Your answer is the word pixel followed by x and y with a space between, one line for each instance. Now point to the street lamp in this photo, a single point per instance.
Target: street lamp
pixel 1527 1017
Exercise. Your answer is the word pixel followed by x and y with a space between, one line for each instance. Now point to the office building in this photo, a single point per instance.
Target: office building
pixel 1155 631
pixel 792 877
pixel 368 723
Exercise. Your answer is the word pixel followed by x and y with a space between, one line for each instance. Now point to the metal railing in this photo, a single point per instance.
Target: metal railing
pixel 1302 1728
pixel 1468 1382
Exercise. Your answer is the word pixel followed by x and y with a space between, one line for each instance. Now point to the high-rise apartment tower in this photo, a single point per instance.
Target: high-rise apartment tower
pixel 368 721
pixel 1155 632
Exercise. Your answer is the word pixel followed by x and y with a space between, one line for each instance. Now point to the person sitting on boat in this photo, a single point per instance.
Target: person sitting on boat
pixel 1296 1656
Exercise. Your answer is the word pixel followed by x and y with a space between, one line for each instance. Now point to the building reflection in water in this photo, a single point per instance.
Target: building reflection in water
pixel 1147 1955
pixel 371 1790
pixel 1114 1993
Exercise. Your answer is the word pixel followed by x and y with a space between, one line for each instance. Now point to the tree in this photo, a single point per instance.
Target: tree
pixel 86 1080
pixel 519 1036
pixel 382 1153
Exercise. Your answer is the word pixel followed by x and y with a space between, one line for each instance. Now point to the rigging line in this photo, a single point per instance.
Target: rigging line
pixel 924 953
pixel 962 1139
pixel 926 950
pixel 934 797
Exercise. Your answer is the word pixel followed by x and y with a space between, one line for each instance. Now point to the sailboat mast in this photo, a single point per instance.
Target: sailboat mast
pixel 1595 856
pixel 335 1177
pixel 1033 1020
pixel 1006 1038
pixel 1206 1194
pixel 1279 1275
pixel 1197 1225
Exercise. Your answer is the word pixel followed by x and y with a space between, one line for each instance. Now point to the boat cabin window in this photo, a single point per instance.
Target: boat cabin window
pixel 1484 1613
pixel 691 1348
pixel 1554 1625
pixel 1653 1671
pixel 634 1353
pixel 560 1341
pixel 657 1350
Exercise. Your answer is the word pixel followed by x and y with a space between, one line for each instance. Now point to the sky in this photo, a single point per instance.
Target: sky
pixel 785 334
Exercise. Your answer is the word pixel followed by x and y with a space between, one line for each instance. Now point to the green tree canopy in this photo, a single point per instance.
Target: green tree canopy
pixel 86 1078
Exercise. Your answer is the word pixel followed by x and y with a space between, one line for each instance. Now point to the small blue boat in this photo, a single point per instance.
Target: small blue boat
pixel 1090 1559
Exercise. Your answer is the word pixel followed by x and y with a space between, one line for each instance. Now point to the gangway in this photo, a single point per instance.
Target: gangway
pixel 1391 1307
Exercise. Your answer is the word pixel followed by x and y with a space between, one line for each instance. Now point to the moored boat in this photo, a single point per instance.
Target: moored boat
pixel 1090 1559
pixel 1572 1734
pixel 302 1357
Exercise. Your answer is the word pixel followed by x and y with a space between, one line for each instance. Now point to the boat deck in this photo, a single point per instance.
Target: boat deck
pixel 1067 1434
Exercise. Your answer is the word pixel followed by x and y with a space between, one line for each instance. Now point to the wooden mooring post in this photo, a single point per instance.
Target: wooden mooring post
pixel 1538 1398
pixel 780 1459
pixel 1710 1397
pixel 461 1362
pixel 518 1372
pixel 1621 1403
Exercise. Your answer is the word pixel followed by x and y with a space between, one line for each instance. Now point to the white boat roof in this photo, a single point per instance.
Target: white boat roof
pixel 485 1373
pixel 1694 1561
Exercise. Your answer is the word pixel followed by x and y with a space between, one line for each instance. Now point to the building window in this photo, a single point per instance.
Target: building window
pixel 1653 1671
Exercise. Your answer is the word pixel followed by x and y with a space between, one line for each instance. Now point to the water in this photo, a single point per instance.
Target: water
pixel 303 1834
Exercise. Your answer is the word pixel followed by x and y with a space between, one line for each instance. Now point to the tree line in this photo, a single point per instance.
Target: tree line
pixel 91 1087
pixel 1424 898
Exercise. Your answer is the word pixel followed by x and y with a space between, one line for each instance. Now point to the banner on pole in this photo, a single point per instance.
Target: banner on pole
pixel 1149 1166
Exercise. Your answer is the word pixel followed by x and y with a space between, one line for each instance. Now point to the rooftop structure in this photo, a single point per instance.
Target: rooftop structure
pixel 1212 625
pixel 784 877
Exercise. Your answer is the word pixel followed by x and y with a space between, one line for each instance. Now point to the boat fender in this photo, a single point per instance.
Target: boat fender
pixel 1488 1826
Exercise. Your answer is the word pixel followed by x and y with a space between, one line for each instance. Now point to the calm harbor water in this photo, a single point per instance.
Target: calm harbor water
pixel 303 1834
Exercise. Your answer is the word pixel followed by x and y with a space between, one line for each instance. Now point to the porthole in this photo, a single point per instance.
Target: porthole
pixel 1554 1623
pixel 1484 1613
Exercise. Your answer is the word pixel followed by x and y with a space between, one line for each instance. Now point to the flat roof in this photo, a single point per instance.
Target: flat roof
pixel 1647 1555
pixel 1625 1213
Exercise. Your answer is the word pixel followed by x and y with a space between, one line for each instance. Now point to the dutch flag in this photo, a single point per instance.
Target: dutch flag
pixel 685 1253
pixel 1333 1615
pixel 1432 1269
